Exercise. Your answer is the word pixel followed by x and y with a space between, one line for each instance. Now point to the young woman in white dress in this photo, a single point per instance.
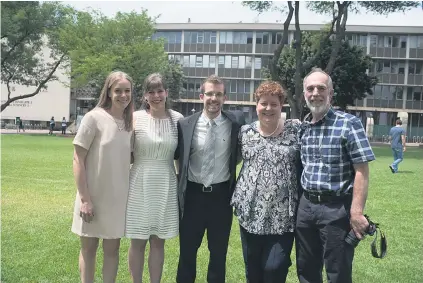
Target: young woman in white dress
pixel 101 168
pixel 152 211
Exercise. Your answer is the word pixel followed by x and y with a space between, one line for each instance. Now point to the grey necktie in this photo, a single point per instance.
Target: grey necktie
pixel 207 167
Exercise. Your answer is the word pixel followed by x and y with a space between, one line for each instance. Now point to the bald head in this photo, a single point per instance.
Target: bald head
pixel 318 73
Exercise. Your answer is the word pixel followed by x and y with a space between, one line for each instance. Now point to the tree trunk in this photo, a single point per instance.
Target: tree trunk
pixel 298 64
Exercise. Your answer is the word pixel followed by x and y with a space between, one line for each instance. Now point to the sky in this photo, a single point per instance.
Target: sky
pixel 234 12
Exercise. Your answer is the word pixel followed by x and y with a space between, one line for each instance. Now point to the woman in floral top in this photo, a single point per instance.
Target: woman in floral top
pixel 266 194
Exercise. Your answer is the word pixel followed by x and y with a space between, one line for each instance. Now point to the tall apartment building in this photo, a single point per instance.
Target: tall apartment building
pixel 237 52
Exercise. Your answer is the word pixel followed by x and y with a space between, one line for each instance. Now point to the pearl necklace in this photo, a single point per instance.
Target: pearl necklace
pixel 266 136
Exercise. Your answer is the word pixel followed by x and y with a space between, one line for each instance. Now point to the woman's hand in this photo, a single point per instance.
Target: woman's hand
pixel 87 211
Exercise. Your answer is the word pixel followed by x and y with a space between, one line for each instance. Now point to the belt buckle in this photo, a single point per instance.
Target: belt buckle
pixel 207 189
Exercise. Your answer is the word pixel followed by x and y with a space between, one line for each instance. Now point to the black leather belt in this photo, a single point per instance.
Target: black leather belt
pixel 316 197
pixel 209 189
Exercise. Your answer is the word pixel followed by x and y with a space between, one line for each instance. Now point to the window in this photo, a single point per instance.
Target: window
pixel 192 61
pixel 237 37
pixel 200 37
pixel 386 93
pixel 222 37
pixel 420 41
pixel 419 66
pixel 411 68
pixel 257 63
pixel 409 93
pixel 259 37
pixel 380 40
pixel 199 61
pixel 193 37
pixel 377 92
pixel 213 37
pixel 186 61
pixel 221 60
pixel 394 67
pixel 363 40
pixel 171 57
pixel 178 58
pixel 265 38
pixel 386 67
pixel 229 37
pixel 413 41
pixel 399 92
pixel 373 40
pixel 212 63
pixel 241 63
pixel 206 61
pixel 417 94
pixel 248 61
pixel 395 41
pixel 249 38
pixel 241 86
pixel 388 41
pixel 228 62
pixel 234 62
pixel 403 41
pixel 379 67
pixel 233 86
pixel 401 68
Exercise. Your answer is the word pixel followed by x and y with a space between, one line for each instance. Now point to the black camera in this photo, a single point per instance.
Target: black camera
pixel 353 240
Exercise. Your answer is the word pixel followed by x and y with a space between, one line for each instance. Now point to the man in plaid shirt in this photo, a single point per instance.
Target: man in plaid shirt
pixel 335 153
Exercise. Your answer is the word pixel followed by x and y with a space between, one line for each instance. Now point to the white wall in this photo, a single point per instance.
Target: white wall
pixel 55 101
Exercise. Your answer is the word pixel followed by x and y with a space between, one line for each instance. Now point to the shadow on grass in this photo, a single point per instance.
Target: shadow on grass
pixel 404 172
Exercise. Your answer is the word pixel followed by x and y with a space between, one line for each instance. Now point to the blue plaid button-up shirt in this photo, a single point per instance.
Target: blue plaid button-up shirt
pixel 329 149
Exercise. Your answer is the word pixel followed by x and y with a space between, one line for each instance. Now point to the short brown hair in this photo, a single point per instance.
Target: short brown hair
pixel 399 122
pixel 213 79
pixel 270 88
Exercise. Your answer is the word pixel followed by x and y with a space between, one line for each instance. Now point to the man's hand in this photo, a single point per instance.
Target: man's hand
pixel 359 224
pixel 403 149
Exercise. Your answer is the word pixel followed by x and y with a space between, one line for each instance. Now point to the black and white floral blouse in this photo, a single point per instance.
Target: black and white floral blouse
pixel 266 193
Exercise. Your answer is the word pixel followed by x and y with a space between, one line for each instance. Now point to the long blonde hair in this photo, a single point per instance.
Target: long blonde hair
pixel 105 101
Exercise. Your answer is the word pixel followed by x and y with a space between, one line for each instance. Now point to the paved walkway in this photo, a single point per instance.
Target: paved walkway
pixel 32 132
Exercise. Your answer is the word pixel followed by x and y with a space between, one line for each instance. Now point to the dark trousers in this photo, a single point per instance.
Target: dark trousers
pixel 203 211
pixel 63 130
pixel 267 257
pixel 320 238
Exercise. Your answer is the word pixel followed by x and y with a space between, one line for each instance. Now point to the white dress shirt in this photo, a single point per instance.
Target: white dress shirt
pixel 222 151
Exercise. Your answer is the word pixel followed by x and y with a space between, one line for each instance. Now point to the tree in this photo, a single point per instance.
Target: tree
pixel 335 34
pixel 27 28
pixel 349 74
pixel 101 44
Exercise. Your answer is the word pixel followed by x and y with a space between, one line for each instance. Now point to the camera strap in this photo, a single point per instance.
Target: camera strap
pixel 383 244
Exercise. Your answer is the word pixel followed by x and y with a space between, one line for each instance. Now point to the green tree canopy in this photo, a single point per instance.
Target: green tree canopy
pixel 333 36
pixel 88 45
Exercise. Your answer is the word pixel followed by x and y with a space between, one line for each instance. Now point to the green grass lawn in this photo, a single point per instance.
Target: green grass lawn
pixel 38 193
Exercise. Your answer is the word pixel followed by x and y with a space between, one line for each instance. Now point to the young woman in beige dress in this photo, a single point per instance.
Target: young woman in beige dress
pixel 152 213
pixel 101 168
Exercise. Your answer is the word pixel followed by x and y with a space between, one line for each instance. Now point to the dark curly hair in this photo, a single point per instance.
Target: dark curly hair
pixel 270 88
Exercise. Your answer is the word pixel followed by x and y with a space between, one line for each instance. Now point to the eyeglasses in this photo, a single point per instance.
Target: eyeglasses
pixel 310 88
pixel 217 94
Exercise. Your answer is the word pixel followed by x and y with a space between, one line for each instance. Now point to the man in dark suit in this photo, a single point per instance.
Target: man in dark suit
pixel 208 156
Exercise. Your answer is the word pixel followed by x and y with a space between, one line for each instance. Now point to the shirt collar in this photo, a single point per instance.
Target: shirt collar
pixel 329 114
pixel 218 120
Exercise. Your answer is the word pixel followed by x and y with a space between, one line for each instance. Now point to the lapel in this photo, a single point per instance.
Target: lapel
pixel 189 133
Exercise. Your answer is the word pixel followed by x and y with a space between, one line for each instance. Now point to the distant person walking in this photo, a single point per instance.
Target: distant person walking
pixel 64 125
pixel 397 138
pixel 21 127
pixel 52 125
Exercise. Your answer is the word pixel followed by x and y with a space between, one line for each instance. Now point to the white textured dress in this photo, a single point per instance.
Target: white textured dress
pixel 152 207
